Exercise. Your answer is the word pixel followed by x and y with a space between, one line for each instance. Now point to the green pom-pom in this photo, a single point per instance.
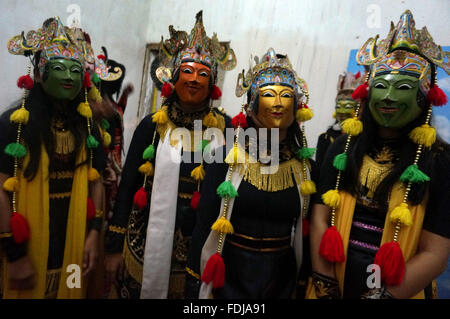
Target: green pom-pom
pixel 305 153
pixel 414 175
pixel 340 161
pixel 16 150
pixel 226 189
pixel 149 153
pixel 95 79
pixel 105 124
pixel 202 145
pixel 92 142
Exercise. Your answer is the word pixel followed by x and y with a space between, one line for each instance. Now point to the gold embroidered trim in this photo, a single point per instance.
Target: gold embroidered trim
pixel 61 175
pixel 59 195
pixel 188 180
pixel 372 173
pixel 258 249
pixel 117 229
pixel 192 273
pixel 281 179
pixel 52 283
pixel 133 266
pixel 188 144
pixel 5 235
pixel 261 238
pixel 65 142
pixel 98 213
pixel 185 195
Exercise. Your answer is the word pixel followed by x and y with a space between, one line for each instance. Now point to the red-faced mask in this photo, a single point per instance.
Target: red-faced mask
pixel 192 86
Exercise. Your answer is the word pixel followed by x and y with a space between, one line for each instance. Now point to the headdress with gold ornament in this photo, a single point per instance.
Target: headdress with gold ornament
pixel 273 69
pixel 53 42
pixel 412 52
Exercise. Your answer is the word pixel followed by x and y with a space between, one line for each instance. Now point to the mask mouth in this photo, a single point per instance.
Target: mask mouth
pixel 67 85
pixel 277 114
pixel 389 109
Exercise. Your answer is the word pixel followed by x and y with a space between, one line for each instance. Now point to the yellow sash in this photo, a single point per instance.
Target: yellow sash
pixel 33 203
pixel 408 237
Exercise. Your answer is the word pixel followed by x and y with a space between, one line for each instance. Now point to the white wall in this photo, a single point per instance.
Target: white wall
pixel 316 34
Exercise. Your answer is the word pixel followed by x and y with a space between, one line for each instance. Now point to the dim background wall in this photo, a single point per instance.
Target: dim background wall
pixel 316 34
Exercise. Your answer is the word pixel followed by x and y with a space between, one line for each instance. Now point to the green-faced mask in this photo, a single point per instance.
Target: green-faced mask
pixel 345 108
pixel 63 79
pixel 393 100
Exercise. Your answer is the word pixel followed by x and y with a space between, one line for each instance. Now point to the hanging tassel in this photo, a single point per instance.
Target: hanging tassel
pixel 436 96
pixel 305 153
pixel 401 213
pixel 101 57
pixel 216 93
pixel 167 90
pixel 352 126
pixel 85 110
pixel 140 198
pixel 239 120
pixel 331 246
pixel 340 161
pixel 307 187
pixel 146 169
pixel 91 142
pixel 95 79
pixel 414 175
pixel 25 82
pixel 94 95
pixel 105 124
pixel 11 184
pixel 361 92
pixel 106 139
pixel 392 264
pixel 226 189
pixel 305 227
pixel 149 153
pixel 210 120
pixel 334 114
pixel 19 228
pixel 332 198
pixel 90 212
pixel 202 145
pixel 214 271
pixel 15 150
pixel 93 174
pixel 20 116
pixel 235 155
pixel 195 200
pixel 198 173
pixel 424 134
pixel 86 80
pixel 222 225
pixel 160 117
pixel 304 113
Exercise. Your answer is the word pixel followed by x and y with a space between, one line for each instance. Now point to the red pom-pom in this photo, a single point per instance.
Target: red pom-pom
pixel 216 93
pixel 195 200
pixel 357 75
pixel 25 82
pixel 140 198
pixel 101 57
pixel 19 228
pixel 87 80
pixel 90 212
pixel 331 246
pixel 166 90
pixel 239 120
pixel 214 271
pixel 302 106
pixel 305 227
pixel 392 264
pixel 361 92
pixel 436 96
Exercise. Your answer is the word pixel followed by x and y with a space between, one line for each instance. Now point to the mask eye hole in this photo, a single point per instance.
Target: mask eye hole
pixel 187 70
pixel 287 95
pixel 379 85
pixel 204 74
pixel 404 86
pixel 75 70
pixel 268 94
pixel 57 67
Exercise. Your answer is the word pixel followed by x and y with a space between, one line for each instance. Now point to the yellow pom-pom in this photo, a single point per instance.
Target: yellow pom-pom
pixel 223 225
pixel 307 187
pixel 11 184
pixel 106 138
pixel 304 114
pixel 84 109
pixel 332 198
pixel 352 126
pixel 235 155
pixel 93 174
pixel 94 95
pixel 20 116
pixel 334 114
pixel 146 169
pixel 160 117
pixel 424 134
pixel 210 120
pixel 198 173
pixel 401 213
